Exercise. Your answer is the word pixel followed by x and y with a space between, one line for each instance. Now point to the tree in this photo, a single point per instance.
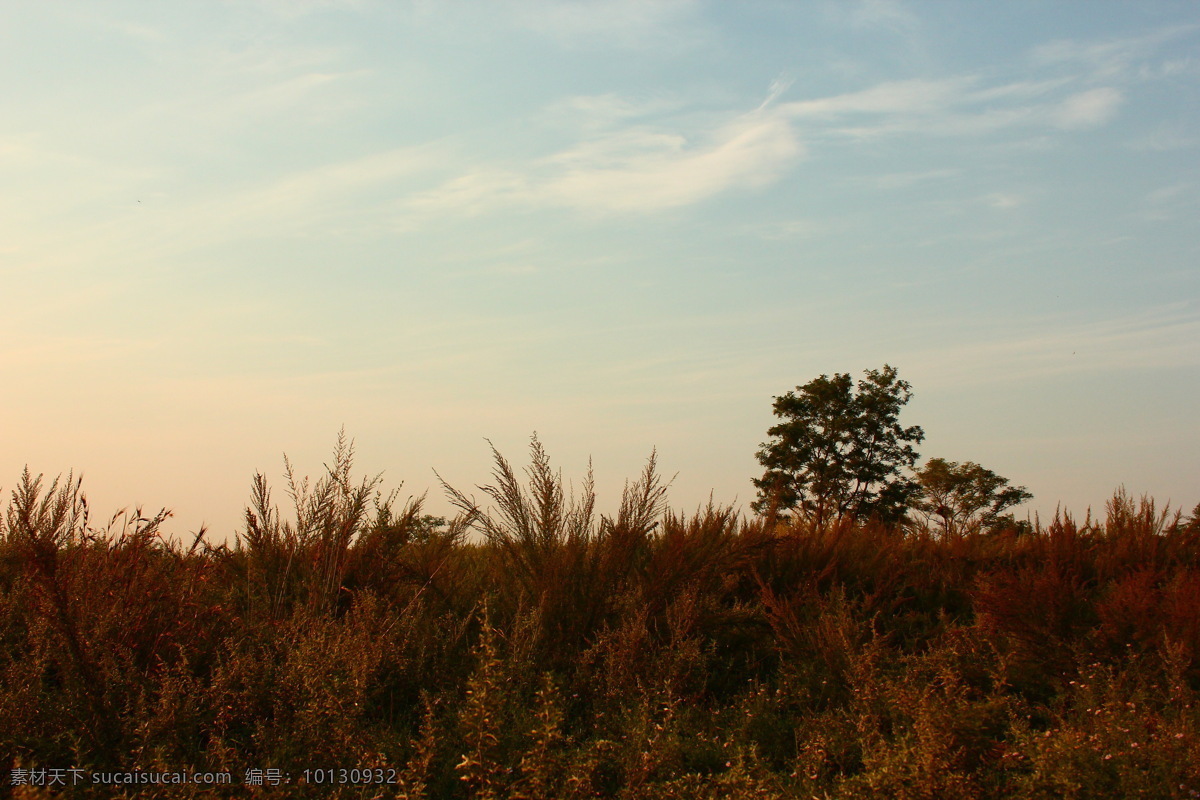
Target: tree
pixel 965 497
pixel 1193 522
pixel 839 452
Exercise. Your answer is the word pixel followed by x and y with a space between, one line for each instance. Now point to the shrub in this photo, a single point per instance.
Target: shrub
pixel 570 654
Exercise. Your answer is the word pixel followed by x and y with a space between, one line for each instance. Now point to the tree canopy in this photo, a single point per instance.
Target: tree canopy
pixel 839 451
pixel 964 497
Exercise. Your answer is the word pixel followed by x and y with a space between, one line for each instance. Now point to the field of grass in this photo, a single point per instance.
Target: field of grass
pixel 533 648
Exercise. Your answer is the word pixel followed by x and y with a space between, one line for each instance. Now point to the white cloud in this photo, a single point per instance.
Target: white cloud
pixel 1165 138
pixel 1087 109
pixel 801 229
pixel 776 90
pixel 152 232
pixel 1107 58
pixel 624 23
pixel 1004 200
pixel 886 14
pixel 257 62
pixel 661 171
pixel 76 351
pixel 1164 337
pixel 1168 202
pixel 1018 89
pixel 474 192
pixel 623 163
pixel 1167 69
pixel 1168 194
pixel 633 169
pixel 139 32
pixel 893 97
pixel 353 174
pixel 289 93
pixel 902 180
pixel 294 201
pixel 955 107
pixel 292 9
pixel 947 123
pixel 606 109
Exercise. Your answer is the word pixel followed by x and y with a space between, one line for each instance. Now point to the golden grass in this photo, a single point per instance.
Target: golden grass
pixel 570 654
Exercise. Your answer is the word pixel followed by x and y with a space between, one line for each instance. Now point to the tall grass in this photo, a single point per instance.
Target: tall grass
pixel 534 648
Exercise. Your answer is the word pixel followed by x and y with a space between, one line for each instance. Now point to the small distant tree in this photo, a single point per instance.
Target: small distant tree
pixel 839 452
pixel 1192 522
pixel 964 497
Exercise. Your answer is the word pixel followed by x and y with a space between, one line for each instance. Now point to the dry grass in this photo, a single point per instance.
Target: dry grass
pixel 568 654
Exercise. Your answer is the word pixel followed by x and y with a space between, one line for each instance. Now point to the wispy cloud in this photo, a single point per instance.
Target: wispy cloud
pixel 1168 194
pixel 1169 68
pixel 475 192
pixel 1110 57
pixel 892 97
pixel 649 171
pixel 798 229
pixel 903 180
pixel 1169 202
pixel 623 23
pixel 629 159
pixel 1087 109
pixel 293 203
pixel 1167 137
pixel 291 9
pixel 1165 337
pixel 1099 73
pixel 295 92
pixel 71 351
pixel 955 106
pixel 1003 201
pixel 1020 90
pixel 647 154
pixel 323 187
pixel 889 14
pixel 778 86
pixel 631 169
pixel 602 111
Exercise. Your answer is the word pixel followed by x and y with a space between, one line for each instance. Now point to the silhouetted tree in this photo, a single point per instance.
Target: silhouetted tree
pixel 964 497
pixel 840 452
pixel 1192 523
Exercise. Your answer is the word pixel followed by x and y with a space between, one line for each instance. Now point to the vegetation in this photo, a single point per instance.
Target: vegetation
pixel 965 497
pixel 563 653
pixel 840 452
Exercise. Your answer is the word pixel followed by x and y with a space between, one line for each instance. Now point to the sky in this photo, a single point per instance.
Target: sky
pixel 230 229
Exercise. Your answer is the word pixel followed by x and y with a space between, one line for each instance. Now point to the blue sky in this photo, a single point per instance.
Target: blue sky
pixel 229 229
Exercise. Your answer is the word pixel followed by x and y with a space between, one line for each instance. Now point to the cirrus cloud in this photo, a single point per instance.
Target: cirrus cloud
pixel 1088 109
pixel 633 170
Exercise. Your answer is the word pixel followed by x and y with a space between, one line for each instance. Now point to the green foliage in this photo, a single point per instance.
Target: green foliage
pixel 840 452
pixel 565 654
